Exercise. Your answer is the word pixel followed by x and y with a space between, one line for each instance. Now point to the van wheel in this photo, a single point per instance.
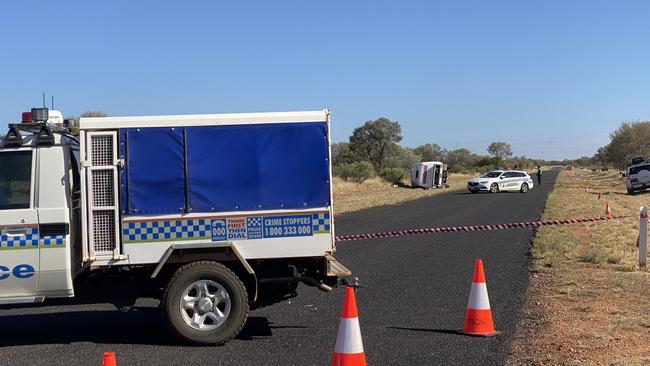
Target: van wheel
pixel 494 188
pixel 524 188
pixel 205 303
pixel 630 191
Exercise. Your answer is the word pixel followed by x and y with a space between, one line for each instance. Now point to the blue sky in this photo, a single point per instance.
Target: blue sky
pixel 552 78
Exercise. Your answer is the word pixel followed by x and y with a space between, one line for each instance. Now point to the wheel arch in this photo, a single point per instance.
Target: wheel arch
pixel 227 254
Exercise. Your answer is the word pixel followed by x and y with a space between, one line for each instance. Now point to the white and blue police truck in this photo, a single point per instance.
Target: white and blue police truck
pixel 212 214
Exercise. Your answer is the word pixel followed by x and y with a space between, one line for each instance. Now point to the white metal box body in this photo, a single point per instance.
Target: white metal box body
pixel 259 181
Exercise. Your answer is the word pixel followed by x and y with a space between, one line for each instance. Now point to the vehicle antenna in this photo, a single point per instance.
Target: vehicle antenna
pixel 43 99
pixel 53 102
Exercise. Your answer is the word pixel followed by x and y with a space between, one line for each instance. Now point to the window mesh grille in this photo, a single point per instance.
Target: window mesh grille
pixel 102 150
pixel 103 231
pixel 103 194
pixel 103 212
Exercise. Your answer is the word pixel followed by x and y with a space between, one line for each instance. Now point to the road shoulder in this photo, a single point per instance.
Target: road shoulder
pixel 585 303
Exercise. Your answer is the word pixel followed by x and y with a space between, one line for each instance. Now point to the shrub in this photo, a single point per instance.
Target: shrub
pixel 392 175
pixel 357 172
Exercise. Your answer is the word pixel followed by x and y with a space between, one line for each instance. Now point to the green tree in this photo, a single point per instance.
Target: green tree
pixel 431 152
pixel 341 154
pixel 376 140
pixel 356 172
pixel 392 175
pixel 402 158
pixel 500 150
pixel 629 140
pixel 460 160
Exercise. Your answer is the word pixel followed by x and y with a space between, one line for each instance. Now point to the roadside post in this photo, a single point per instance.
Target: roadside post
pixel 643 236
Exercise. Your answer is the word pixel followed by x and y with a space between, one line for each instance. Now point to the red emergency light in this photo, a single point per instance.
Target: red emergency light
pixel 27 117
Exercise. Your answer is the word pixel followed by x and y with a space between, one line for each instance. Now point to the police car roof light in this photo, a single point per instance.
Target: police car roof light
pixel 40 114
pixel 26 117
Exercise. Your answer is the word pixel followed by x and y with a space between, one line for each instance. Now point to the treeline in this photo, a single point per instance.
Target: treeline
pixel 374 150
pixel 630 140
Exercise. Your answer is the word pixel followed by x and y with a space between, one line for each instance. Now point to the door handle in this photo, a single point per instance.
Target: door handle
pixel 16 231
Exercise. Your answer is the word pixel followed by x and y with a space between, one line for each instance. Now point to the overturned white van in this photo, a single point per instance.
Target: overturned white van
pixel 429 174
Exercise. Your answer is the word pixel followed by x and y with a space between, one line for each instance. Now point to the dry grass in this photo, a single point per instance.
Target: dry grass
pixel 587 302
pixel 350 196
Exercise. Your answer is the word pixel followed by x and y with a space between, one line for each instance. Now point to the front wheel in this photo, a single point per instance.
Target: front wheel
pixel 494 188
pixel 205 303
pixel 524 188
pixel 630 191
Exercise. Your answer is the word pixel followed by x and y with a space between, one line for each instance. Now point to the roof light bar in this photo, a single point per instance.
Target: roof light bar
pixel 27 117
pixel 40 114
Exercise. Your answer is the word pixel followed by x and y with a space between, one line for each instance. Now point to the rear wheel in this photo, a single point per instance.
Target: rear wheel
pixel 524 188
pixel 205 303
pixel 494 188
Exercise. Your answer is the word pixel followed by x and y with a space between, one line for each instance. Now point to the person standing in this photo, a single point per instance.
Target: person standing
pixel 539 175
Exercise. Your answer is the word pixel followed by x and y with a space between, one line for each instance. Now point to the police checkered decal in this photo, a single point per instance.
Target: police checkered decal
pixel 31 240
pixel 254 221
pixel 166 230
pixel 321 222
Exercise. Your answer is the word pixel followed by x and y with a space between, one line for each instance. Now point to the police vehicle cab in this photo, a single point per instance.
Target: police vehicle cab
pixel 501 180
pixel 211 214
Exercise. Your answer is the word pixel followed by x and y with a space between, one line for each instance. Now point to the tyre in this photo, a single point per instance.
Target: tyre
pixel 524 187
pixel 473 191
pixel 494 188
pixel 205 303
pixel 630 191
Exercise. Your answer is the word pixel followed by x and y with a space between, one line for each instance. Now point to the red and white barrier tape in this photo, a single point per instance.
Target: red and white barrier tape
pixel 459 229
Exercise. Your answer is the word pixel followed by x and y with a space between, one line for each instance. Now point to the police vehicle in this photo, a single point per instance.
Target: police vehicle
pixel 637 175
pixel 212 214
pixel 501 180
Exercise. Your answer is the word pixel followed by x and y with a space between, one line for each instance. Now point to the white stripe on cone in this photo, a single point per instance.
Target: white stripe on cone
pixel 348 339
pixel 478 297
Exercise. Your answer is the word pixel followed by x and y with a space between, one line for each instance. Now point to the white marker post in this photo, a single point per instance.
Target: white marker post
pixel 643 236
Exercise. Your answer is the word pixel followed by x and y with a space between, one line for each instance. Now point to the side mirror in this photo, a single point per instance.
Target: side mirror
pixel 501 177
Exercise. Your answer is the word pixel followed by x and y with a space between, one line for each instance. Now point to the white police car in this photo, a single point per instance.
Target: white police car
pixel 501 180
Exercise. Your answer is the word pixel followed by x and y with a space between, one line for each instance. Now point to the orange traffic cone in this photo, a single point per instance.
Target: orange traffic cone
pixel 349 347
pixel 608 212
pixel 109 359
pixel 478 318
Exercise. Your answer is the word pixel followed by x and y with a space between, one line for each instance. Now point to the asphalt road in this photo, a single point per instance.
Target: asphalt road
pixel 414 300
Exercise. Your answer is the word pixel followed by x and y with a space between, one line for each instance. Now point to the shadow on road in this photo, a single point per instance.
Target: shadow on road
pixel 141 325
pixel 428 330
pixel 259 327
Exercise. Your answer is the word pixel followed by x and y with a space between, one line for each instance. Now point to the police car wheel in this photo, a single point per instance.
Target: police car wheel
pixel 524 188
pixel 494 188
pixel 205 303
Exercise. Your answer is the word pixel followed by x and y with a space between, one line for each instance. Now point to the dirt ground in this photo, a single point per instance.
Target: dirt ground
pixel 351 196
pixel 588 303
